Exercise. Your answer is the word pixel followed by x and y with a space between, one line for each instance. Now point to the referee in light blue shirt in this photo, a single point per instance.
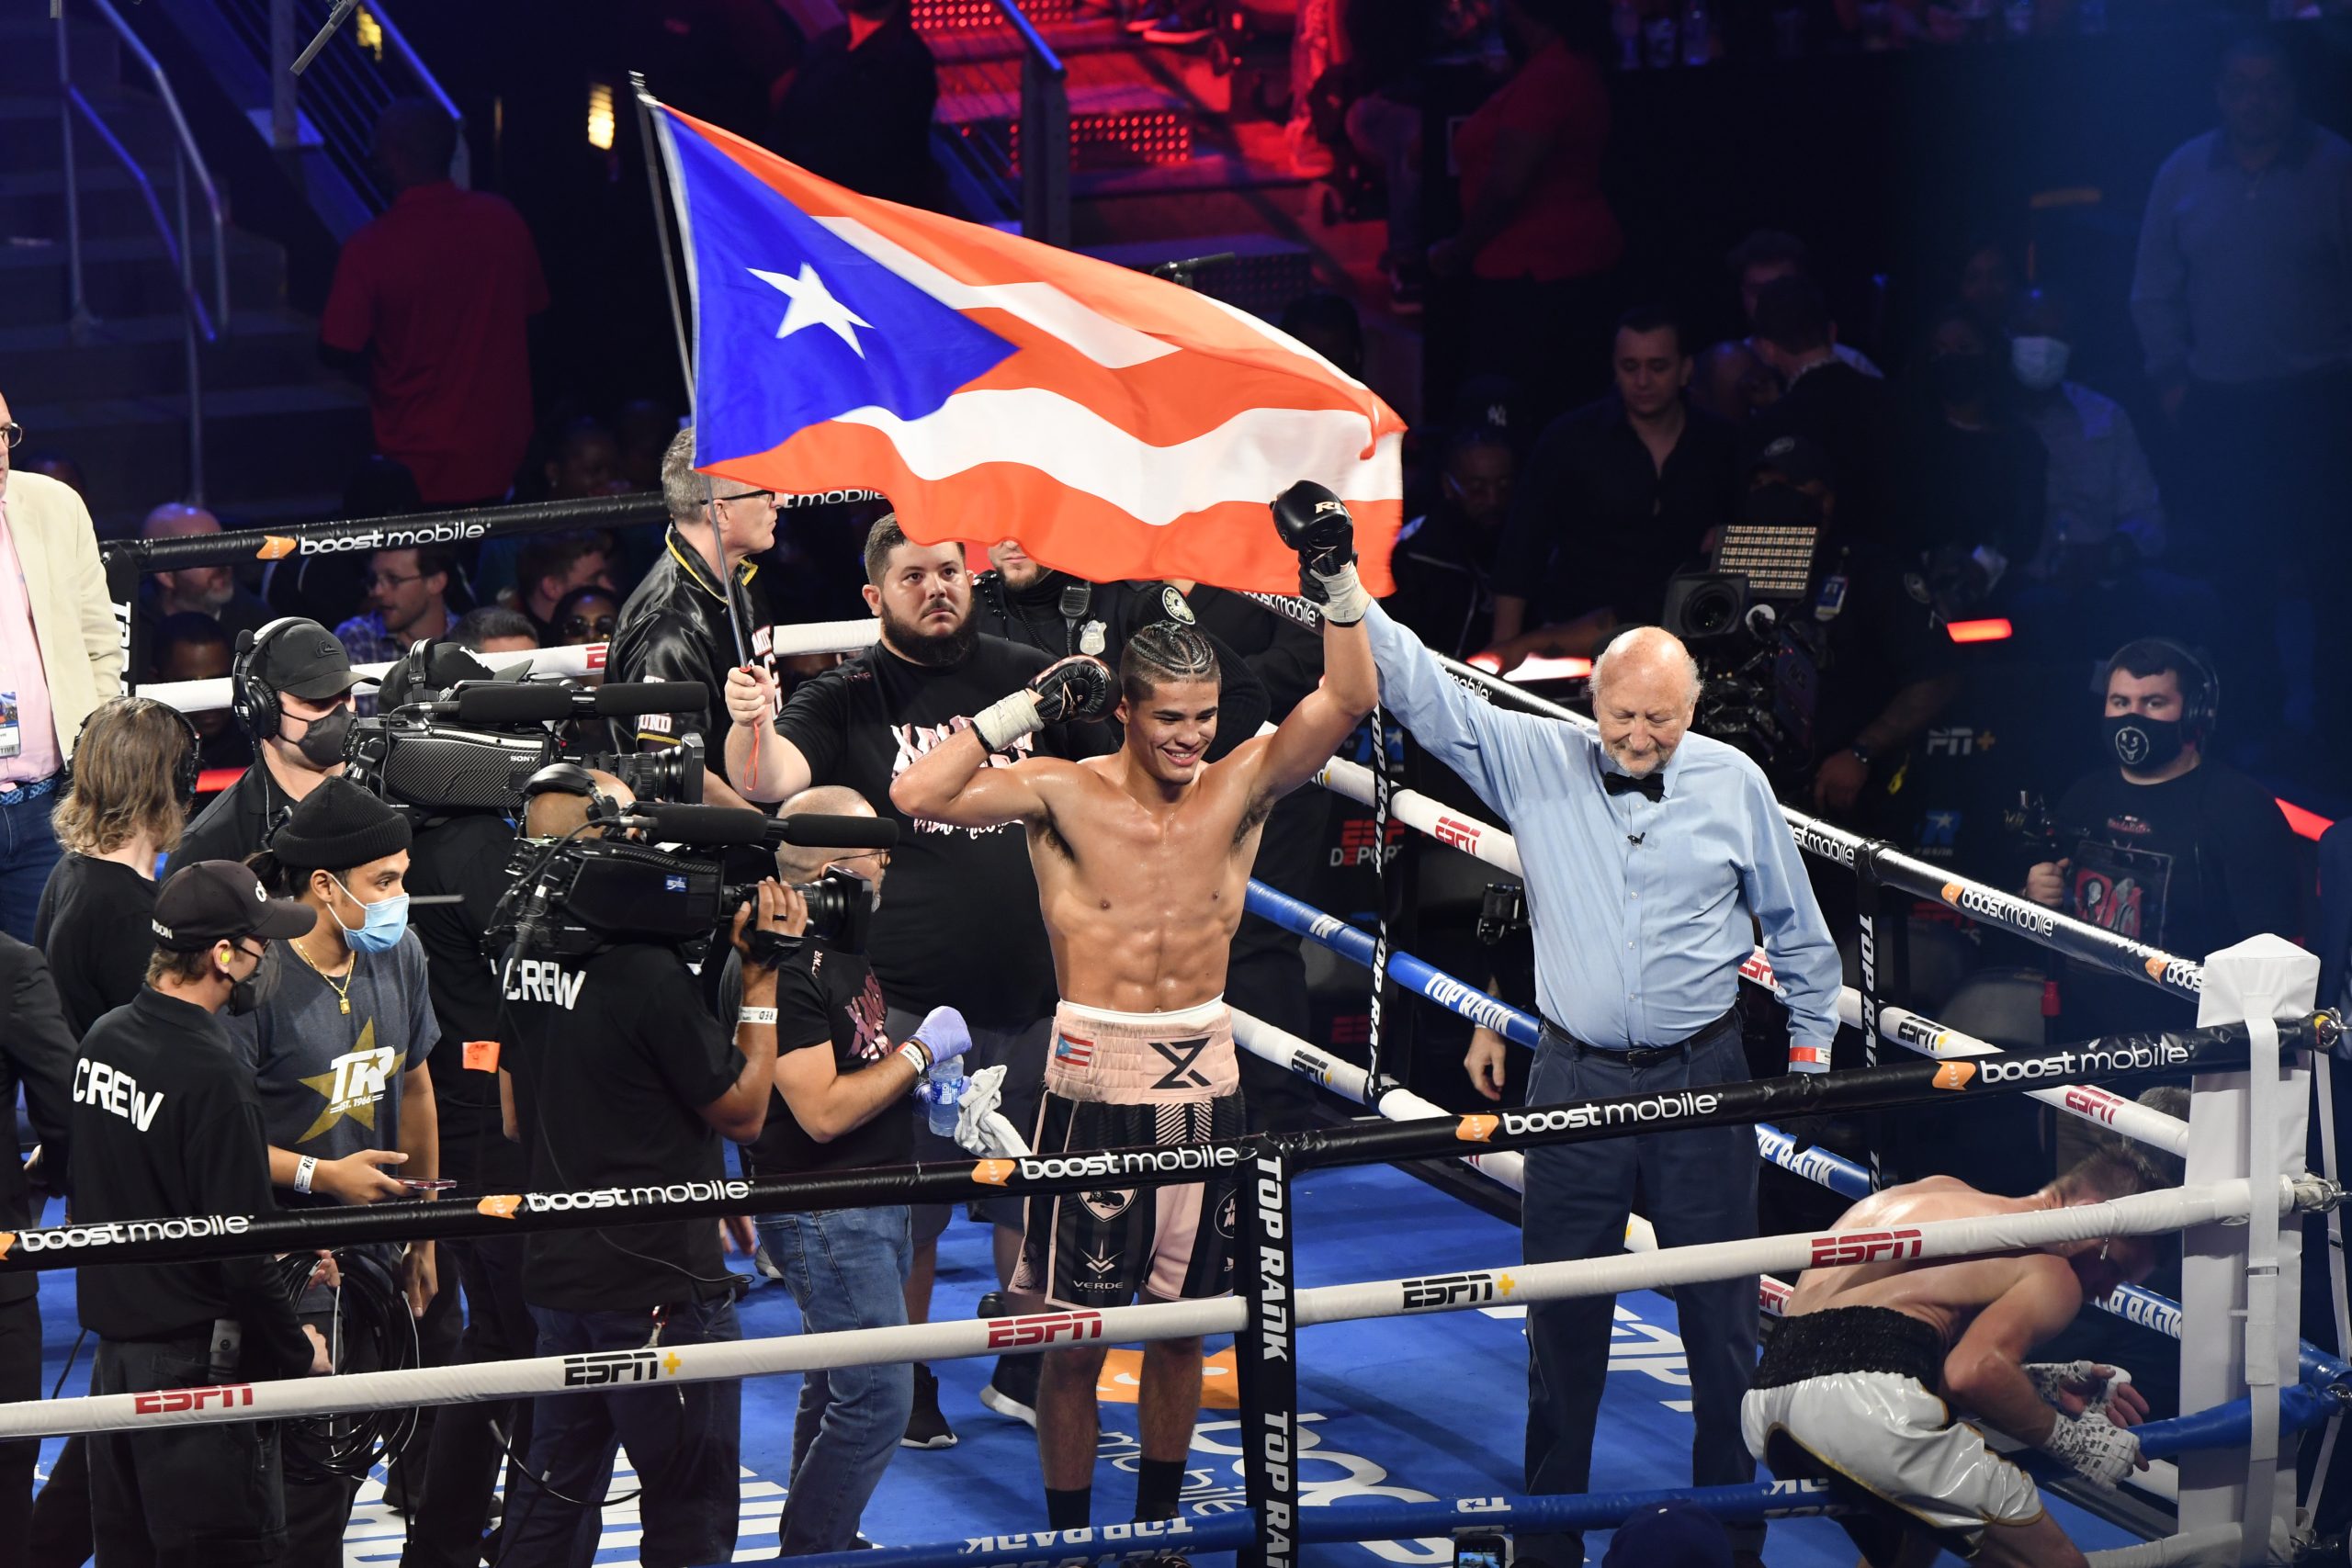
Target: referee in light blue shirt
pixel 1652 856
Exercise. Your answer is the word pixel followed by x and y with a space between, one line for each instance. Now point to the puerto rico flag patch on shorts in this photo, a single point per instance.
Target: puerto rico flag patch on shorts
pixel 1076 1052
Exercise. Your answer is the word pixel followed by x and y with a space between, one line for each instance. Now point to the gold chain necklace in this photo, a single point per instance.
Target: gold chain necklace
pixel 342 992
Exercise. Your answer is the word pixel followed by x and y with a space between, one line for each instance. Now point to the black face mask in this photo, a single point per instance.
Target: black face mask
pixel 322 744
pixel 244 995
pixel 1961 378
pixel 2144 744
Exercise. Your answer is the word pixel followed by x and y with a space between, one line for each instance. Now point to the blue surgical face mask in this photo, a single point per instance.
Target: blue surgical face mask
pixel 2040 362
pixel 387 919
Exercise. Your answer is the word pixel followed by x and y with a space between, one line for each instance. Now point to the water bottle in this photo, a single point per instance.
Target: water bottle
pixel 944 1094
pixel 1659 35
pixel 1697 43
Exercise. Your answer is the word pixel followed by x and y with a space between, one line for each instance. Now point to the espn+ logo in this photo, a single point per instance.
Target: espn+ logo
pixel 1441 1291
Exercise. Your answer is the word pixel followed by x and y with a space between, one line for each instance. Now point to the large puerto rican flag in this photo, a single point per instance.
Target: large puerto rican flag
pixel 993 388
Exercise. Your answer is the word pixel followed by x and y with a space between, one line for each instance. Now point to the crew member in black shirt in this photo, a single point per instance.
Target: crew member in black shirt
pixel 1059 615
pixel 2167 847
pixel 133 780
pixel 1849 414
pixel 37 1054
pixel 164 1122
pixel 622 1078
pixel 291 690
pixel 675 625
pixel 843 1085
pixel 961 928
pixel 1617 495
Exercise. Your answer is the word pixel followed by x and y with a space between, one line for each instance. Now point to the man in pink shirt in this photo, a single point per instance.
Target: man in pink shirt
pixel 434 299
pixel 60 652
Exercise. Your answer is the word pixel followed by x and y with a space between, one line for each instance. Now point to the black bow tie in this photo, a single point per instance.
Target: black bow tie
pixel 1651 784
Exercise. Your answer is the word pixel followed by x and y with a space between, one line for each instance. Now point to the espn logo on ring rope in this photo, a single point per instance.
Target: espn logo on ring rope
pixel 173 1401
pixel 1045 1328
pixel 1866 1247
pixel 1441 1291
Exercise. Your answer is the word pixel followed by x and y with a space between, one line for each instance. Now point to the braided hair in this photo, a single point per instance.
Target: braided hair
pixel 1165 651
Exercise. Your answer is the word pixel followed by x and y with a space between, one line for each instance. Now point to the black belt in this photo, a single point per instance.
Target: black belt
pixel 1639 1055
pixel 1853 1340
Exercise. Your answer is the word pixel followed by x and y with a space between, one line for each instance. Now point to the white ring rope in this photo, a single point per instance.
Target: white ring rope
pixel 2144 1214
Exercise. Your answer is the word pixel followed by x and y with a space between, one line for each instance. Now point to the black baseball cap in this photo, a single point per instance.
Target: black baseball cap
pixel 306 660
pixel 220 900
pixel 1799 460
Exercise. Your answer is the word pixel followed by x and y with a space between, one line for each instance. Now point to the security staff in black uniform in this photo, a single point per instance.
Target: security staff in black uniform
pixel 676 626
pixel 165 1123
pixel 36 1052
pixel 291 690
pixel 1059 615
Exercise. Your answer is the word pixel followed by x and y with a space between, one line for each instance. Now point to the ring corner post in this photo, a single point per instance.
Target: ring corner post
pixel 1266 1353
pixel 2250 1125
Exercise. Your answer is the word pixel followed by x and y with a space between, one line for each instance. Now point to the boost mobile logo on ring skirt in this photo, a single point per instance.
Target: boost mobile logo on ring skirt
pixel 2176 972
pixel 61 1237
pixel 619 1197
pixel 2091 1064
pixel 276 547
pixel 2014 913
pixel 1812 841
pixel 1616 1113
pixel 1133 1162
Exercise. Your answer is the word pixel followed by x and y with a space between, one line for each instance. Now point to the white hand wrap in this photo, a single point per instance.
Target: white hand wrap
pixel 2101 1452
pixel 1007 719
pixel 1343 599
pixel 2050 1380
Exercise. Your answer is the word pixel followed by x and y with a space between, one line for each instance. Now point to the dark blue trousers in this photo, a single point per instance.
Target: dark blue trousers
pixel 1697 1185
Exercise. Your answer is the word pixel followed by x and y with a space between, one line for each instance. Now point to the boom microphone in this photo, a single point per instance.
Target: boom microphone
pixel 700 824
pixel 508 703
pixel 812 830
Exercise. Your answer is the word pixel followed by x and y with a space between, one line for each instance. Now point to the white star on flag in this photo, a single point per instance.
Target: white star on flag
pixel 813 305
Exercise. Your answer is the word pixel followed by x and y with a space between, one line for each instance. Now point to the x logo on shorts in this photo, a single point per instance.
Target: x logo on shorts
pixel 1181 1056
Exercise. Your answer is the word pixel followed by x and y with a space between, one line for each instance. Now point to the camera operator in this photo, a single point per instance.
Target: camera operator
pixel 962 928
pixel 621 1077
pixel 676 626
pixel 165 1122
pixel 1058 615
pixel 2168 846
pixel 291 689
pixel 843 1086
pixel 337 1048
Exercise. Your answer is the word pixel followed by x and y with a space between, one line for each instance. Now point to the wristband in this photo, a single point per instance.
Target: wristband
pixel 1344 598
pixel 755 1015
pixel 917 1056
pixel 2101 1452
pixel 303 1172
pixel 1808 1059
pixel 1007 719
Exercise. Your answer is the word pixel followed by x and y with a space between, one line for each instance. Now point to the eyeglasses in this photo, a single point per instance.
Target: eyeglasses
pixel 391 579
pixel 881 858
pixel 11 432
pixel 767 495
pixel 579 626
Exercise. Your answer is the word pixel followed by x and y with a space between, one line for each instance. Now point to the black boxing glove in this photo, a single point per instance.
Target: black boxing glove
pixel 1314 523
pixel 1076 688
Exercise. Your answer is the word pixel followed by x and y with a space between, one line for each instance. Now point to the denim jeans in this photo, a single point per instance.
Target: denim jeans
pixel 684 1438
pixel 848 1270
pixel 28 851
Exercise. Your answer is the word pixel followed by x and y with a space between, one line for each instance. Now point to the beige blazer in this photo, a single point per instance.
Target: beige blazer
pixel 82 642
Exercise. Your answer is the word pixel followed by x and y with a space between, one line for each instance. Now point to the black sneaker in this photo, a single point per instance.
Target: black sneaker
pixel 1012 1389
pixel 926 1428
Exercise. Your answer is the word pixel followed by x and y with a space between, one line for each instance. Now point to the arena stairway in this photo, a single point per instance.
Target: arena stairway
pixel 282 431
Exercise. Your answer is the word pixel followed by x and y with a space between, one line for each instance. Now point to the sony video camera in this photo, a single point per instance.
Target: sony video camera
pixel 450 735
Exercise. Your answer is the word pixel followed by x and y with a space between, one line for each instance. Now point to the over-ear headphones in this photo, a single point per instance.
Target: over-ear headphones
pixel 571 778
pixel 2200 711
pixel 184 773
pixel 256 706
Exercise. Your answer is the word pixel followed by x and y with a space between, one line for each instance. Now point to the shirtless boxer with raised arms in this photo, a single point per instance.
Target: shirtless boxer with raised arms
pixel 1142 863
pixel 1873 1361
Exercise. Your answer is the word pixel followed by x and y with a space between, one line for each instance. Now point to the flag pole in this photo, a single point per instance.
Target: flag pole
pixel 649 131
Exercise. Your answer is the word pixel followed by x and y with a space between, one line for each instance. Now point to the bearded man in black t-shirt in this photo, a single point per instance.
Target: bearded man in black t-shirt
pixel 2168 847
pixel 961 927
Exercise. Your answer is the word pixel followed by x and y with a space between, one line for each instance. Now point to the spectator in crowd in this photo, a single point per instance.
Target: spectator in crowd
pixel 1848 415
pixel 1445 558
pixel 121 814
pixel 337 1049
pixel 552 565
pixel 584 616
pixel 1732 381
pixel 196 648
pixel 585 461
pixel 2166 845
pixel 858 110
pixel 294 698
pixel 1986 288
pixel 37 1054
pixel 57 466
pixel 2244 305
pixel 1766 257
pixel 681 624
pixel 1880 671
pixel 410 591
pixel 1618 495
pixel 1530 265
pixel 430 304
pixel 59 655
pixel 1974 480
pixel 200 589
pixel 2102 494
pixel 324 587
pixel 861 724
pixel 494 629
pixel 1328 325
pixel 843 1084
